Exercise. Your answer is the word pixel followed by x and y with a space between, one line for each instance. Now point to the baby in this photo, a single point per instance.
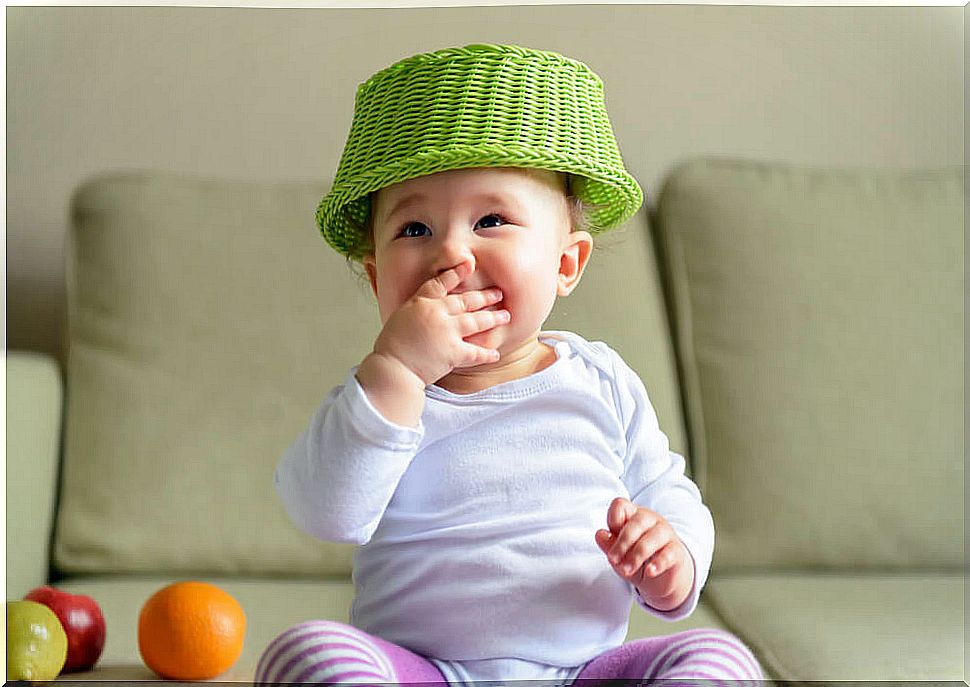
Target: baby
pixel 510 487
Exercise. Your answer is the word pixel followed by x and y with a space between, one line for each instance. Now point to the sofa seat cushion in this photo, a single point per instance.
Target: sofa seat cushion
pixel 826 626
pixel 271 606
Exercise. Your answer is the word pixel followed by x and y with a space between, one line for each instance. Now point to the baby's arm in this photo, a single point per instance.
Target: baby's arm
pixel 423 340
pixel 670 511
pixel 336 479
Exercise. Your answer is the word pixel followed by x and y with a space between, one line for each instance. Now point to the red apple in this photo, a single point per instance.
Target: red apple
pixel 82 621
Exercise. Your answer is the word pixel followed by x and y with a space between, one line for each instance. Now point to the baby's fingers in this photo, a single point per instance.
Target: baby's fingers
pixel 472 355
pixel 470 301
pixel 632 534
pixel 442 284
pixel 482 320
pixel 619 512
pixel 647 548
pixel 604 540
pixel 662 561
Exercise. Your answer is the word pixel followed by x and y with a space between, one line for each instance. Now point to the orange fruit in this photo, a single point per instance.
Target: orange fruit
pixel 191 631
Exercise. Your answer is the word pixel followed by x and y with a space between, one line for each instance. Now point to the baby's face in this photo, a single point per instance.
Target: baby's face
pixel 512 224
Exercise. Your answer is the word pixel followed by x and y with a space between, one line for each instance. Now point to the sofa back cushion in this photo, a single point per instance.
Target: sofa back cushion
pixel 208 319
pixel 819 318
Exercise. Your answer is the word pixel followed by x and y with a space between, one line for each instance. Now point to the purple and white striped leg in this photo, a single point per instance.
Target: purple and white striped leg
pixel 326 652
pixel 708 657
pixel 711 656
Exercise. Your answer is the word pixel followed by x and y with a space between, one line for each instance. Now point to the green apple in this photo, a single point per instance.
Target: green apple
pixel 36 642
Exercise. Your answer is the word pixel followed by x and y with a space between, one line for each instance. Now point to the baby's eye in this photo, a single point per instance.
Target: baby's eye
pixel 489 221
pixel 414 230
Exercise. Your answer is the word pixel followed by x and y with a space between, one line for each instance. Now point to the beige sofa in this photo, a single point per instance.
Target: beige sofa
pixel 800 332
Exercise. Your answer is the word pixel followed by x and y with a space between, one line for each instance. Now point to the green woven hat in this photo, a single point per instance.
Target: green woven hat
pixel 477 106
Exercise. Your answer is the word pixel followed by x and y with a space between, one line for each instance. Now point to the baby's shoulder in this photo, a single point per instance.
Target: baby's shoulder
pixel 598 356
pixel 616 377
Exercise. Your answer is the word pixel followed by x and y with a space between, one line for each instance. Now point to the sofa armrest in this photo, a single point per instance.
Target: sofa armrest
pixel 34 409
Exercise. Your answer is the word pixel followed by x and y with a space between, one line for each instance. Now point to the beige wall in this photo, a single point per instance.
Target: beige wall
pixel 267 93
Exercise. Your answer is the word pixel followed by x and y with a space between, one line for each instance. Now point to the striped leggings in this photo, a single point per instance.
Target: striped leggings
pixel 325 652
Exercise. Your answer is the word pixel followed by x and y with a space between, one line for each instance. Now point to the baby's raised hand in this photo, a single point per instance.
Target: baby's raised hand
pixel 423 340
pixel 426 334
pixel 643 549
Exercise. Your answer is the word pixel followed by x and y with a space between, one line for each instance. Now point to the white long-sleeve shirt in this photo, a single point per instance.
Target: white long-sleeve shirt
pixel 478 525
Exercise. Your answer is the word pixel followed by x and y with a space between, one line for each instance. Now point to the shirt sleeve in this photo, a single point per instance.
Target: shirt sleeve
pixel 656 479
pixel 336 479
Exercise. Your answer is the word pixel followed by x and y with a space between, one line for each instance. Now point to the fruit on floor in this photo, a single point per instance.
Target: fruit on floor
pixel 191 631
pixel 36 642
pixel 82 621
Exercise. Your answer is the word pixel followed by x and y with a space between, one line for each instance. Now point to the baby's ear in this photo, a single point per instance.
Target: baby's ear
pixel 370 266
pixel 573 259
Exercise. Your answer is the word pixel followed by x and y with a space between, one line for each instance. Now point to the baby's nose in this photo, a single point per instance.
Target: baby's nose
pixel 448 262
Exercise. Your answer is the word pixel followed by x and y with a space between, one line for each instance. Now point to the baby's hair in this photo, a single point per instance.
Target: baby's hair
pixel 578 209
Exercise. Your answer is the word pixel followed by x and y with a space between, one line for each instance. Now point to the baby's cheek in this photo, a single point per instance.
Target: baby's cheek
pixel 398 285
pixel 532 300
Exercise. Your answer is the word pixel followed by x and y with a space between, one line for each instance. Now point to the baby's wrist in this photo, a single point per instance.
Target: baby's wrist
pixel 395 390
pixel 393 371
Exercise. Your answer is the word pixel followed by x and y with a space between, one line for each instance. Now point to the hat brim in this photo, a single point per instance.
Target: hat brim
pixel 610 195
